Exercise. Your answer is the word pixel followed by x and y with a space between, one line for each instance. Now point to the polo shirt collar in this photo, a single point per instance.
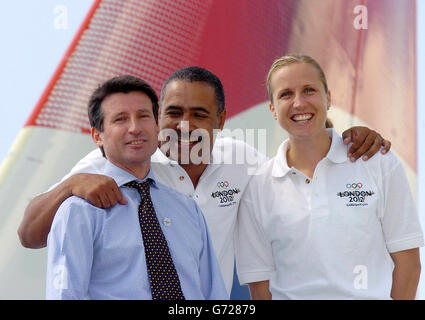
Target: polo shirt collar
pixel 280 164
pixel 122 176
pixel 338 151
pixel 160 157
pixel 337 154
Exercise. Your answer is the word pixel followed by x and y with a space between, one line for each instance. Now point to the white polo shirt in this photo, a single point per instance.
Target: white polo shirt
pixel 217 194
pixel 329 237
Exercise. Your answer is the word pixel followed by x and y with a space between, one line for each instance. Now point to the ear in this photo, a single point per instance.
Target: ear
pixel 222 119
pixel 329 100
pixel 273 111
pixel 97 137
pixel 157 127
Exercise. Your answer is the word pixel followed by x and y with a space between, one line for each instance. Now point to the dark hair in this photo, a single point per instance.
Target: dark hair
pixel 194 74
pixel 120 84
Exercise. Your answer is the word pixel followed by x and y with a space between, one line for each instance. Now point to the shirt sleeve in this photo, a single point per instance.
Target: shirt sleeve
pixel 254 254
pixel 70 252
pixel 400 221
pixel 93 162
pixel 253 158
pixel 212 283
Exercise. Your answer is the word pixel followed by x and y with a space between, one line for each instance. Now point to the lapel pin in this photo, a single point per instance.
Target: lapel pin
pixel 167 222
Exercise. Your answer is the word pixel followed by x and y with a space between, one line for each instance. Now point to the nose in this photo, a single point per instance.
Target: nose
pixel 184 124
pixel 299 100
pixel 134 126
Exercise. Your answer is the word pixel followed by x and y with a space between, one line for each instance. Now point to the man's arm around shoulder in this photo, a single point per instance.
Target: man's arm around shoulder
pixel 39 214
pixel 101 191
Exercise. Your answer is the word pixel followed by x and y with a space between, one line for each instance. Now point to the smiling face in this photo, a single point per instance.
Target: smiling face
pixel 190 110
pixel 130 132
pixel 299 100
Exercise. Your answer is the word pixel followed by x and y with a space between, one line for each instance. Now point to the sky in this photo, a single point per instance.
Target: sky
pixel 35 34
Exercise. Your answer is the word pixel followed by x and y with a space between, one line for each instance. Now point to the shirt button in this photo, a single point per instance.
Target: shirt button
pixel 181 178
pixel 307 181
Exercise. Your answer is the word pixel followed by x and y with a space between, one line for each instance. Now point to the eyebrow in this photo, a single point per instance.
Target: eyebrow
pixel 304 86
pixel 202 109
pixel 283 90
pixel 118 114
pixel 125 113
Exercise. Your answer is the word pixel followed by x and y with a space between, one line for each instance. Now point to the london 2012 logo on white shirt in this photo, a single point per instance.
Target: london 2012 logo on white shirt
pixel 355 194
pixel 225 194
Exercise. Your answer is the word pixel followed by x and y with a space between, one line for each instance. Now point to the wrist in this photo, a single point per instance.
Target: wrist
pixel 68 186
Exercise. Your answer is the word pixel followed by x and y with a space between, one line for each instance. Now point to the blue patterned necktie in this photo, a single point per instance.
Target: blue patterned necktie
pixel 163 277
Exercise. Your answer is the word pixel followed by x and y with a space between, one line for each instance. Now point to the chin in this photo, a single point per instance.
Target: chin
pixel 139 157
pixel 305 134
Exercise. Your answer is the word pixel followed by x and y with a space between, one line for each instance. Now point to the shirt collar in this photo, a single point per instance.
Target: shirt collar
pixel 280 165
pixel 122 176
pixel 336 154
pixel 338 151
pixel 160 157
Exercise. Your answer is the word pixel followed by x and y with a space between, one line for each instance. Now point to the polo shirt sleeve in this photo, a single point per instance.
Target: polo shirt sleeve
pixel 70 252
pixel 93 162
pixel 253 158
pixel 254 255
pixel 400 221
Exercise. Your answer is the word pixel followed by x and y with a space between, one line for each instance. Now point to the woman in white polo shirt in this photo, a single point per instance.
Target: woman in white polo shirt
pixel 314 225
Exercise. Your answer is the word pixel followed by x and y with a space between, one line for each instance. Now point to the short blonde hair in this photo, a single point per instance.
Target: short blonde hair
pixel 291 59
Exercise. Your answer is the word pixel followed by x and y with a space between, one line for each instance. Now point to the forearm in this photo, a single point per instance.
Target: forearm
pixel 405 283
pixel 260 290
pixel 100 191
pixel 39 214
pixel 406 277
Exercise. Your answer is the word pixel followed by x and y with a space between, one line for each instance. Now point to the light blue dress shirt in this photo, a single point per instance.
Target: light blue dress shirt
pixel 98 253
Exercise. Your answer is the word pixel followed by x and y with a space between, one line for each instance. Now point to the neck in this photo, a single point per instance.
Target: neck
pixel 140 171
pixel 194 171
pixel 304 154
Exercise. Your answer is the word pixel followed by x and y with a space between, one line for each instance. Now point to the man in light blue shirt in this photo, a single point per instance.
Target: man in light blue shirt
pixel 98 253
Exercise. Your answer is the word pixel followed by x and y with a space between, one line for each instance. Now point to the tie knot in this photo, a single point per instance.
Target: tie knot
pixel 142 187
